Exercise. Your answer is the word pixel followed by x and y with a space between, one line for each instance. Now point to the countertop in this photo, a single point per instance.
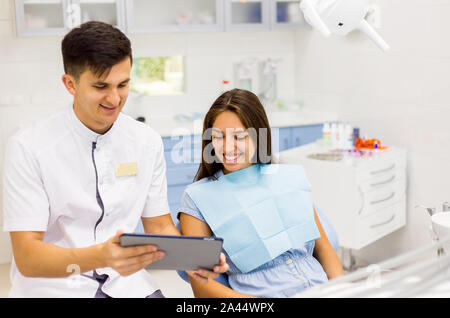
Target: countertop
pixel 299 155
pixel 168 126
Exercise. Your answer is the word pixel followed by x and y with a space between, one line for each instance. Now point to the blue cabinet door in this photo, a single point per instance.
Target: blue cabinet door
pixel 281 139
pixel 303 135
pixel 181 175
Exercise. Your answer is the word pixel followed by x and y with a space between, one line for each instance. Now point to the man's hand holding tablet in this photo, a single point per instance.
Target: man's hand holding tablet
pixel 200 257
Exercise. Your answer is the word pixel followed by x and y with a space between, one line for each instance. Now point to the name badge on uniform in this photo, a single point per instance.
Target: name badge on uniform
pixel 126 169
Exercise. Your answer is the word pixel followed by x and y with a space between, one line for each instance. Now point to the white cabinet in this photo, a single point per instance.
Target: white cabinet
pixel 254 15
pixel 108 11
pixel 249 15
pixel 40 17
pixel 364 198
pixel 286 14
pixel 57 17
pixel 150 16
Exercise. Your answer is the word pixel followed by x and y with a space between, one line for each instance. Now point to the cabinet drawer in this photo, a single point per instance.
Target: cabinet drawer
pixel 381 198
pixel 281 139
pixel 179 176
pixel 305 134
pixel 379 168
pixel 177 142
pixel 197 151
pixel 382 223
pixel 383 179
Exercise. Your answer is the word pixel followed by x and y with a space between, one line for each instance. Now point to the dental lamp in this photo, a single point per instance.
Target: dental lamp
pixel 340 17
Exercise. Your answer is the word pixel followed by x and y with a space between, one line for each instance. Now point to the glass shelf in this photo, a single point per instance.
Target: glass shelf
pixel 47 14
pixel 247 15
pixel 288 11
pixel 246 12
pixel 286 14
pixel 56 17
pixel 98 10
pixel 180 15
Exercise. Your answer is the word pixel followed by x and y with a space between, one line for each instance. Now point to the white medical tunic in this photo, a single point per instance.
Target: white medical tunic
pixel 59 178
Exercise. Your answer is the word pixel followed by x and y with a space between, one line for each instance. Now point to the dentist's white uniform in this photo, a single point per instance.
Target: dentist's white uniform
pixel 59 177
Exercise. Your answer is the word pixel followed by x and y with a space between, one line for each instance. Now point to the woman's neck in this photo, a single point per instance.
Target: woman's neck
pixel 225 171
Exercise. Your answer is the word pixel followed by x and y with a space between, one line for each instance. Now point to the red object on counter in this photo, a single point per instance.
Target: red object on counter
pixel 369 144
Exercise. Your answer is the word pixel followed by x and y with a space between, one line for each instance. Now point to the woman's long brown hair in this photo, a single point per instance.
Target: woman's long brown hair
pixel 251 113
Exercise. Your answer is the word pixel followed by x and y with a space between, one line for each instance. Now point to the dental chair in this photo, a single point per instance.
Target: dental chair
pixel 326 225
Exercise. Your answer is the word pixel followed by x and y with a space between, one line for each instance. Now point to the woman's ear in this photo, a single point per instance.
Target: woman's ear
pixel 69 83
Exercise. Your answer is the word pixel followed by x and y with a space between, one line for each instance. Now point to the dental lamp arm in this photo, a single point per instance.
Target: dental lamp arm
pixel 313 18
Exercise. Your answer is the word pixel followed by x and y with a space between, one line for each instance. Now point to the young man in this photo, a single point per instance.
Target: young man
pixel 76 181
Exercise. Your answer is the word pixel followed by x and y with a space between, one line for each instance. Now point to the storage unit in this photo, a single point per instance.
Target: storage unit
pixel 286 14
pixel 364 198
pixel 284 138
pixel 57 17
pixel 40 17
pixel 152 16
pixel 250 15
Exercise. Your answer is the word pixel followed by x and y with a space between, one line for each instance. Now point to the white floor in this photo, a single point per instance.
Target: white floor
pixel 170 283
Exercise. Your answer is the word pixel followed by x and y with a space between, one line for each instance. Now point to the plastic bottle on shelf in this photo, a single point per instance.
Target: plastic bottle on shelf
pixel 326 134
pixel 348 133
pixel 341 136
pixel 334 135
pixel 355 135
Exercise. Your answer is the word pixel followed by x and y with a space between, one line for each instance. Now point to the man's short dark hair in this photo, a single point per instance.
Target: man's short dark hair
pixel 96 46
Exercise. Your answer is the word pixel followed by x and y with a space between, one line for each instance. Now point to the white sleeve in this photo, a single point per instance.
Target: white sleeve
pixel 25 203
pixel 156 203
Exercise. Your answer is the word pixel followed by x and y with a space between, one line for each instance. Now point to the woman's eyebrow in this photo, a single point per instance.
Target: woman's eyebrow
pixel 217 130
pixel 237 131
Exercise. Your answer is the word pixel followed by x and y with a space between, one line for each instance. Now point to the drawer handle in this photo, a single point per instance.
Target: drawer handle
pixel 385 199
pixel 383 170
pixel 383 182
pixel 383 223
pixel 361 193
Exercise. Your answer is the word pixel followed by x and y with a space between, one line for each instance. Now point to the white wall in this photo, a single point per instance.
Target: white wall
pixel 31 70
pixel 210 57
pixel 401 97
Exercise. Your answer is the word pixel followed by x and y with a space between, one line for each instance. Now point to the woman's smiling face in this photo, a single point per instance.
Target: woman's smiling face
pixel 232 144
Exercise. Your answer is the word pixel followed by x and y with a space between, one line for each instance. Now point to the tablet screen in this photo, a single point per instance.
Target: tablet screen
pixel 181 252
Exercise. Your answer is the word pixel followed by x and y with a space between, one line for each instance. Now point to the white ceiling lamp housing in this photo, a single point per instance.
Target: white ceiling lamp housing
pixel 340 17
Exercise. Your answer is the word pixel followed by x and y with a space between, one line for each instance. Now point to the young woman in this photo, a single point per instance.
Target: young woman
pixel 236 137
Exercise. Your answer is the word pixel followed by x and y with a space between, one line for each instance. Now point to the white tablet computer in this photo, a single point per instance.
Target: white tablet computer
pixel 181 252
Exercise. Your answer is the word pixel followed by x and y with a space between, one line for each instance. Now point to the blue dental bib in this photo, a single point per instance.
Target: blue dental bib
pixel 260 212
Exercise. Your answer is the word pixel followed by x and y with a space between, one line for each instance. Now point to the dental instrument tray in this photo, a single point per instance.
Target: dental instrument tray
pixel 326 156
pixel 181 252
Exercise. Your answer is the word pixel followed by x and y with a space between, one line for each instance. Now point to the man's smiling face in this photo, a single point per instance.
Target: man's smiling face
pixel 99 100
